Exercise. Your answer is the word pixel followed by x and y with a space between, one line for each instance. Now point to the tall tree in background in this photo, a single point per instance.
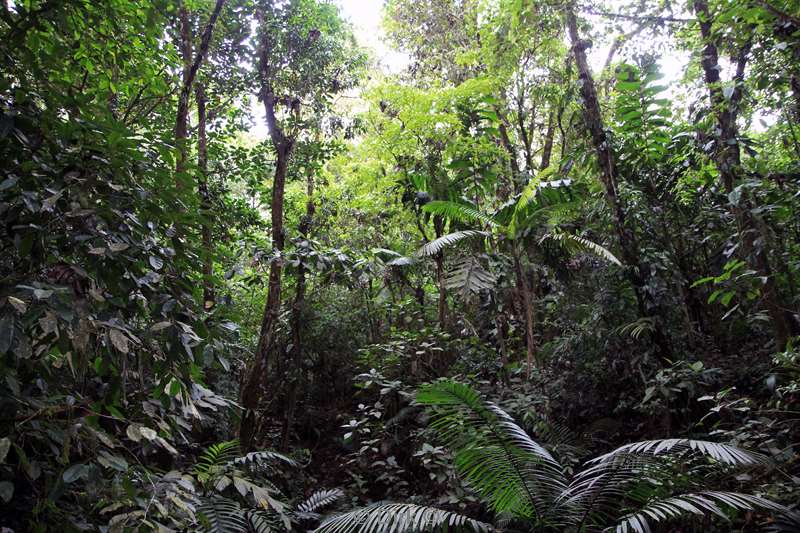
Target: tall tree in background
pixel 305 54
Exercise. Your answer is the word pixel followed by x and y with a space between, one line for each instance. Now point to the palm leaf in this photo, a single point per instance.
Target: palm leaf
pixel 220 515
pixel 573 242
pixel 723 453
pixel 458 212
pixel 437 245
pixel 217 456
pixel 495 456
pixel 399 518
pixel 469 277
pixel 700 503
pixel 319 499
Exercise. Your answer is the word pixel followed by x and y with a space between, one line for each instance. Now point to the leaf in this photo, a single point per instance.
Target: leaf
pixel 6 333
pixel 19 305
pixel 74 472
pixel 6 491
pixel 5 445
pixel 112 461
pixel 8 183
pixel 156 262
pixel 437 245
pixel 119 340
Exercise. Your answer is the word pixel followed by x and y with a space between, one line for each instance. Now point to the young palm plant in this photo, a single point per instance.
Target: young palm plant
pixel 625 490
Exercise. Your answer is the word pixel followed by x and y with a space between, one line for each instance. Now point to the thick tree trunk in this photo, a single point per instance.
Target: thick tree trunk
pixel 205 200
pixel 638 271
pixel 728 160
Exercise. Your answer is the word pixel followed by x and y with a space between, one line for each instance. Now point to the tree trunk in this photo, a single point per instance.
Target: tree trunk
pixel 438 225
pixel 547 151
pixel 205 200
pixel 728 160
pixel 296 354
pixel 638 271
pixel 190 69
pixel 253 387
pixel 526 298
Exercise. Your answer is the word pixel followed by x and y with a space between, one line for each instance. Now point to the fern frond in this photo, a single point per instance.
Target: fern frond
pixel 575 242
pixel 400 518
pixel 220 515
pixel 458 212
pixel 495 456
pixel 723 453
pixel 437 245
pixel 469 277
pixel 217 456
pixel 320 499
pixel 700 503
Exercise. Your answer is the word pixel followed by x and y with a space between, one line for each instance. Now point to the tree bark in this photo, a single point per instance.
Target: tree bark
pixel 190 69
pixel 728 160
pixel 253 387
pixel 638 271
pixel 547 151
pixel 526 299
pixel 296 354
pixel 205 200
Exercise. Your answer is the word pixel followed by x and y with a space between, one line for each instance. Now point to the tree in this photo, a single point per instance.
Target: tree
pixel 305 54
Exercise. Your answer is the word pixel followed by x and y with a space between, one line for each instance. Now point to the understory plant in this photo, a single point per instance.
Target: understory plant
pixel 527 488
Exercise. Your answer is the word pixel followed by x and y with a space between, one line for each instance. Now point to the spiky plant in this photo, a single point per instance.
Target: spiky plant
pixel 627 489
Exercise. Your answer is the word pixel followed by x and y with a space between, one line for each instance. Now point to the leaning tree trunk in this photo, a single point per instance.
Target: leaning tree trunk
pixel 728 160
pixel 638 271
pixel 189 73
pixel 253 387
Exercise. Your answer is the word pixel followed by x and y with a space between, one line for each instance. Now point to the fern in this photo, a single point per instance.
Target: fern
pixel 400 518
pixel 437 245
pixel 722 453
pixel 217 456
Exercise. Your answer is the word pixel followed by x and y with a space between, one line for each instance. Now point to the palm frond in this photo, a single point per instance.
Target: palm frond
pixel 437 245
pixel 320 499
pixel 458 212
pixel 576 243
pixel 495 456
pixel 400 518
pixel 700 503
pixel 723 453
pixel 266 522
pixel 220 515
pixel 469 277
pixel 264 456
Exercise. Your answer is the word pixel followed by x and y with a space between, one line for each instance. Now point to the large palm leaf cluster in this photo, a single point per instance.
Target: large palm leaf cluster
pixel 627 489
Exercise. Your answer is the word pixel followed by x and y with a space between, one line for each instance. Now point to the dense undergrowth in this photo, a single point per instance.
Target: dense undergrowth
pixel 467 287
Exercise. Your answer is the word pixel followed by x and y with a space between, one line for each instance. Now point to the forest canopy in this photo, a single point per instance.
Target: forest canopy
pixel 483 265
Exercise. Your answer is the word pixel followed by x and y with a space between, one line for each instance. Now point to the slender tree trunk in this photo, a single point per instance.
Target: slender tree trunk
pixel 526 299
pixel 728 161
pixel 182 115
pixel 638 271
pixel 438 224
pixel 253 386
pixel 547 151
pixel 205 200
pixel 296 355
pixel 190 69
